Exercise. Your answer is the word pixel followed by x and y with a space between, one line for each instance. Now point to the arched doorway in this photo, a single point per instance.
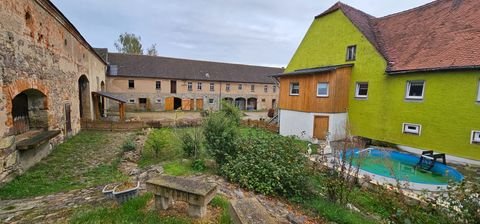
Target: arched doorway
pixel 228 100
pixel 177 103
pixel 252 104
pixel 84 97
pixel 240 103
pixel 29 111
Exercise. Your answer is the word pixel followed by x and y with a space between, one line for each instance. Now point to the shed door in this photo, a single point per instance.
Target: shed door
pixel 186 105
pixel 320 127
pixel 169 104
pixel 199 104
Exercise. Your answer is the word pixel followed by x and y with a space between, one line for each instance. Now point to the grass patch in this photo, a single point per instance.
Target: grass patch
pixel 71 165
pixel 132 211
pixel 224 204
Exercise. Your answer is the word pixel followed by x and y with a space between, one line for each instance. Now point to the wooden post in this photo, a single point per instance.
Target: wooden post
pixel 96 106
pixel 121 109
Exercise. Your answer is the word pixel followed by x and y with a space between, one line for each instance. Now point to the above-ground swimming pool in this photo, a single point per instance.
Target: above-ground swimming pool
pixel 402 166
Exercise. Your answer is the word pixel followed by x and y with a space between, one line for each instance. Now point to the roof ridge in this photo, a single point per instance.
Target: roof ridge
pixel 193 60
pixel 430 4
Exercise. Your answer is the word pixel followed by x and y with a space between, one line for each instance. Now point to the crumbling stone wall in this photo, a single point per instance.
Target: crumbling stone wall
pixel 41 50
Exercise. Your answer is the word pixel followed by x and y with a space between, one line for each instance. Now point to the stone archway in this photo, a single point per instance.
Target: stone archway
pixel 241 103
pixel 252 104
pixel 16 88
pixel 29 111
pixel 84 97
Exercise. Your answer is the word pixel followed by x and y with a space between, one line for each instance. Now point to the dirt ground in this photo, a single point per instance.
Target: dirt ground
pixel 149 116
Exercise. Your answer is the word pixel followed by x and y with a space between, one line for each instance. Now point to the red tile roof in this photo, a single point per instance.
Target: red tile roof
pixel 441 35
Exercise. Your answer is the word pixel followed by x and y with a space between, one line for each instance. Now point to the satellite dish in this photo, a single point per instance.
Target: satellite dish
pixel 207 75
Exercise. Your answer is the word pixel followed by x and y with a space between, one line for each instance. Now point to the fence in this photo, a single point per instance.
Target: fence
pixel 261 124
pixel 137 125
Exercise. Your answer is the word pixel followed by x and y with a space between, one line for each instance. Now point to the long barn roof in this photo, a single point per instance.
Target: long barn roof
pixel 143 66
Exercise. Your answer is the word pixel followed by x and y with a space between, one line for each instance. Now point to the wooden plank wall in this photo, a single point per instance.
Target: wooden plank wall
pixel 307 100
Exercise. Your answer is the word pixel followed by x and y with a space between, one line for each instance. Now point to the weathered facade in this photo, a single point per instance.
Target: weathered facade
pixel 157 84
pixel 47 74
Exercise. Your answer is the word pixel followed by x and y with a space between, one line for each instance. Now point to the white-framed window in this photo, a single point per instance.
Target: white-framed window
pixel 408 128
pixel 240 86
pixel 212 87
pixel 252 88
pixel 322 89
pixel 227 87
pixel 294 89
pixel 265 88
pixel 131 101
pixel 475 139
pixel 274 88
pixel 158 85
pixel 158 100
pixel 415 90
pixel 351 53
pixel 361 90
pixel 190 86
pixel 211 101
pixel 478 94
pixel 199 86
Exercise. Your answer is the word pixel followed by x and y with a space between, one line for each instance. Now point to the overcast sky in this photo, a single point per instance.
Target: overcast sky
pixel 259 32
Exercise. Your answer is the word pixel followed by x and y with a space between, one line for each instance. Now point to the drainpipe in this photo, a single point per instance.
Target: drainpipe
pixel 220 98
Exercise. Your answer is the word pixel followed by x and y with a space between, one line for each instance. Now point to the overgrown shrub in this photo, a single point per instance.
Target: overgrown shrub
pixel 231 112
pixel 221 134
pixel 199 165
pixel 192 141
pixel 129 145
pixel 266 163
pixel 158 142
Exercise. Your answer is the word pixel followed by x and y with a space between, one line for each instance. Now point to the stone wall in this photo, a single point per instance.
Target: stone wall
pixel 41 50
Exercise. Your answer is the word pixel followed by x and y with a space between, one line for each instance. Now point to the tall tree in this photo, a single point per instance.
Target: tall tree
pixel 129 43
pixel 152 51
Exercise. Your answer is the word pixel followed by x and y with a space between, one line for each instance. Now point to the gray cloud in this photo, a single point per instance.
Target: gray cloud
pixel 264 32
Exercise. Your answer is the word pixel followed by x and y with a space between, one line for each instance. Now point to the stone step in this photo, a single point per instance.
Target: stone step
pixel 249 211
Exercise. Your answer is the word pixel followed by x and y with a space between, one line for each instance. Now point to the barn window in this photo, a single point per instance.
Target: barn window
pixel 158 85
pixel 361 90
pixel 131 84
pixel 322 89
pixel 415 90
pixel 190 86
pixel 294 89
pixel 351 53
pixel 212 87
pixel 414 129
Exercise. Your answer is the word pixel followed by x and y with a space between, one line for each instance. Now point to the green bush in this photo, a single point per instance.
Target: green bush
pixel 129 145
pixel 159 142
pixel 192 141
pixel 231 112
pixel 221 133
pixel 266 163
pixel 199 165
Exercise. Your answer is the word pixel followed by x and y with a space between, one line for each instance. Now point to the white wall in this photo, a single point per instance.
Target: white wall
pixel 300 124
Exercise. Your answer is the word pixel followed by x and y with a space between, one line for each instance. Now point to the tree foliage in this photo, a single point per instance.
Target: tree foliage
pixel 152 51
pixel 129 43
